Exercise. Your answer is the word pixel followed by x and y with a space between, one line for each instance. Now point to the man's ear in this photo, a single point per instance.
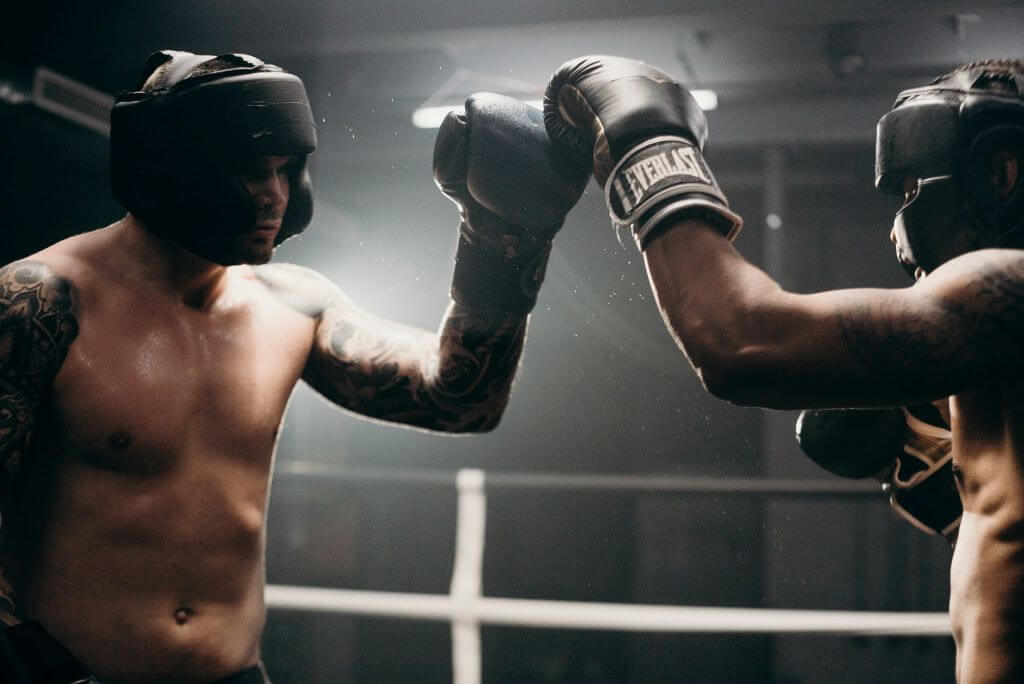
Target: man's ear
pixel 1004 172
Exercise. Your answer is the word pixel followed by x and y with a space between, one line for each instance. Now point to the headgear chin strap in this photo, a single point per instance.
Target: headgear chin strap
pixel 173 143
pixel 944 135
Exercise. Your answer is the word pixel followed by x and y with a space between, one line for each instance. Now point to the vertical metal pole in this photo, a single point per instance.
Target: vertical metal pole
pixel 776 427
pixel 777 437
pixel 467 576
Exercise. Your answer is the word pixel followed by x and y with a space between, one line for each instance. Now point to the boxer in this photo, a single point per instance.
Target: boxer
pixel 145 366
pixel 953 150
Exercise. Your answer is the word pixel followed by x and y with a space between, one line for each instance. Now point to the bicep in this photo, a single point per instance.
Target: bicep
pixel 17 416
pixel 357 361
pixel 371 365
pixel 17 412
pixel 961 325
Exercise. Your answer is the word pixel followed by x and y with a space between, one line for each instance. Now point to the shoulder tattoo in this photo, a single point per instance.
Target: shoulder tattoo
pixel 37 323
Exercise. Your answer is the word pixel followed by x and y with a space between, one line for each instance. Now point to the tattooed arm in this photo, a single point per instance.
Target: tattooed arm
pixel 457 380
pixel 37 325
pixel 753 343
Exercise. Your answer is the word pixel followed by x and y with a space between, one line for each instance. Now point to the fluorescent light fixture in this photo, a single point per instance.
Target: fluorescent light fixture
pixel 431 117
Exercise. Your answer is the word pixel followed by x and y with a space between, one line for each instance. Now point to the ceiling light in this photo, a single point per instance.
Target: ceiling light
pixel 431 117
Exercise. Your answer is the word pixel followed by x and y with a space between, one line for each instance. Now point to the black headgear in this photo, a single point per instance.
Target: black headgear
pixel 172 142
pixel 944 134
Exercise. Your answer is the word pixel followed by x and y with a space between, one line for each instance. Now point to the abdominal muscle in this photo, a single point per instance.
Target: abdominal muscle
pixel 987 571
pixel 147 577
pixel 986 611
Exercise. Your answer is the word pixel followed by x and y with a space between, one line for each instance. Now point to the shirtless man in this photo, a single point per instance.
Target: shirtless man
pixel 953 149
pixel 145 367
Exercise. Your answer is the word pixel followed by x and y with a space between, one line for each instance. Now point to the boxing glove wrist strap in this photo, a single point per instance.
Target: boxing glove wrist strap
pixel 922 487
pixel 931 501
pixel 486 281
pixel 663 177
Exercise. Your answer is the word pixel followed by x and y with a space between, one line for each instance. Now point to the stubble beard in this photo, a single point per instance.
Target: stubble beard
pixel 237 249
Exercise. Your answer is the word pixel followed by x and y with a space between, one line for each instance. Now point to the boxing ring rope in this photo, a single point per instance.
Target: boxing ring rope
pixel 466 608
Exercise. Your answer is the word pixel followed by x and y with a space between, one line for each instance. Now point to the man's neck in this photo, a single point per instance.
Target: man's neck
pixel 196 281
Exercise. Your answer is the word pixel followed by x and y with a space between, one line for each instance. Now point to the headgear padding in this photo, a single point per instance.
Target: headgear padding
pixel 944 134
pixel 173 142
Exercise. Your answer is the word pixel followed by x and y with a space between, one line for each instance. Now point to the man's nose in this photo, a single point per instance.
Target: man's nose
pixel 271 191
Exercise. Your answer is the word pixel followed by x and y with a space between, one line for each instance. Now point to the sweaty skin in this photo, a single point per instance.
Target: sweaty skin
pixel 957 333
pixel 141 394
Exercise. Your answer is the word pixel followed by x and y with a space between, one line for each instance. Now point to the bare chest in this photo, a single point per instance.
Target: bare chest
pixel 146 381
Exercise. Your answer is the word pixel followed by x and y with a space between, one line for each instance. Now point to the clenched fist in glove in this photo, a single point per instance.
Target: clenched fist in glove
pixel 908 450
pixel 646 135
pixel 513 189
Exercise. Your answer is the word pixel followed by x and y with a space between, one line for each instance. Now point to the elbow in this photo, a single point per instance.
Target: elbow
pixel 477 423
pixel 717 358
pixel 728 383
pixel 468 412
pixel 737 352
pixel 718 373
pixel 489 425
pixel 742 376
pixel 490 420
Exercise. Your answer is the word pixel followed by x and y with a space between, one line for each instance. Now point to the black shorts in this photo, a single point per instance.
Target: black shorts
pixel 29 655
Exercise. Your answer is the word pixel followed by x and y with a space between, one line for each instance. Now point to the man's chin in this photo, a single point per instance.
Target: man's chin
pixel 255 255
pixel 241 250
pixel 259 258
pixel 256 250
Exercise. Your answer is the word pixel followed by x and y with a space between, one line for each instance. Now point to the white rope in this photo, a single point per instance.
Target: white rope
pixel 656 618
pixel 466 608
pixel 379 603
pixel 630 617
pixel 834 488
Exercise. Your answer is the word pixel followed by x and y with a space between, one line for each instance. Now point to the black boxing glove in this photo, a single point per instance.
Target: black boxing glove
pixel 908 450
pixel 646 135
pixel 513 189
pixel 922 487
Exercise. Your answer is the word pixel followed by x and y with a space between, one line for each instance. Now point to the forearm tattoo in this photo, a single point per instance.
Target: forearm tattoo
pixel 456 381
pixel 977 333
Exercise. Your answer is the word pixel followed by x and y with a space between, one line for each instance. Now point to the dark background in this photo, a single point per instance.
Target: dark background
pixel 602 389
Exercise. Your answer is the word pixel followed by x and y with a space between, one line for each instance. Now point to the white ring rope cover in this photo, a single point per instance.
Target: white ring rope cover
pixel 466 608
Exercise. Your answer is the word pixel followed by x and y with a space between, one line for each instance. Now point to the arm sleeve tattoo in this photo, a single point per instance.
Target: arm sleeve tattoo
pixel 37 325
pixel 972 330
pixel 457 380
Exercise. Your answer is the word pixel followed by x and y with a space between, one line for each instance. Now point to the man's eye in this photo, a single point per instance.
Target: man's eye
pixel 247 172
